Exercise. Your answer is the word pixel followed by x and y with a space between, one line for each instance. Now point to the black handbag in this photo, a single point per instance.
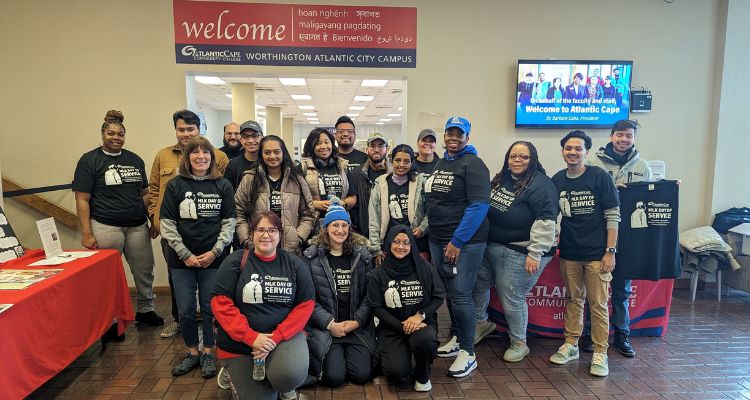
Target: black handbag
pixel 726 220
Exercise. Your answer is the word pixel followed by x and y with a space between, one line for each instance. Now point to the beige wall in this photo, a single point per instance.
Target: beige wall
pixel 65 63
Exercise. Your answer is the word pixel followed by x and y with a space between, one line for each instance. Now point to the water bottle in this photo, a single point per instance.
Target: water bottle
pixel 259 369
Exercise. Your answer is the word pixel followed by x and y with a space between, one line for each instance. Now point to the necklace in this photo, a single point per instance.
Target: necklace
pixel 275 184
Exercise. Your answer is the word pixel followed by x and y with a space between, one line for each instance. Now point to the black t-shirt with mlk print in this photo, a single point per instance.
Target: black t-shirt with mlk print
pixel 398 203
pixel 265 292
pixel 115 184
pixel 330 183
pixel 450 189
pixel 198 208
pixel 341 268
pixel 355 160
pixel 582 200
pixel 511 216
pixel 274 197
pixel 402 295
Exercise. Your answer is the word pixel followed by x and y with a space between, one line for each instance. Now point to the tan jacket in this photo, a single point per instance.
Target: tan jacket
pixel 311 174
pixel 298 216
pixel 165 167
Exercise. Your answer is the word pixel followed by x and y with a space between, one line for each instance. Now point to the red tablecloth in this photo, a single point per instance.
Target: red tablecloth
pixel 648 305
pixel 54 321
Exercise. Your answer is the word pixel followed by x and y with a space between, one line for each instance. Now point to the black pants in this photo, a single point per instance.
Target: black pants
pixel 397 348
pixel 165 249
pixel 347 359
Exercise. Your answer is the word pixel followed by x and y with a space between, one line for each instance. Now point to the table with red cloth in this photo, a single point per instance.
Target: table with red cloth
pixel 54 321
pixel 648 305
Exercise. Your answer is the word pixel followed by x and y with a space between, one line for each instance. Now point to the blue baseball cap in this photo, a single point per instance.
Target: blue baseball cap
pixel 459 122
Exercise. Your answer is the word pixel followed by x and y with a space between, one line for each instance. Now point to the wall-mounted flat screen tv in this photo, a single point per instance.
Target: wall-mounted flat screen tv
pixel 572 94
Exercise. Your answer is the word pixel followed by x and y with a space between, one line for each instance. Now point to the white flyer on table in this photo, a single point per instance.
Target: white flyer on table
pixel 50 237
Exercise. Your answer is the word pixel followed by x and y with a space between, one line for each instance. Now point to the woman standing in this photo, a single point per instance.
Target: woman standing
pixel 197 220
pixel 325 172
pixel 555 92
pixel 523 212
pixel 341 335
pixel 262 300
pixel 405 293
pixel 398 199
pixel 273 184
pixel 111 186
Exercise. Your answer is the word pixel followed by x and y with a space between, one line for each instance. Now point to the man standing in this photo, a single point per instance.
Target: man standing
pixel 346 136
pixel 621 88
pixel 232 146
pixel 624 165
pixel 575 90
pixel 377 157
pixel 426 157
pixel 250 135
pixel 541 88
pixel 164 168
pixel 588 240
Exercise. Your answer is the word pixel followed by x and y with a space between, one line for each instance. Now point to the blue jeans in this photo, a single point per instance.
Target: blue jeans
pixel 620 318
pixel 186 281
pixel 512 283
pixel 460 288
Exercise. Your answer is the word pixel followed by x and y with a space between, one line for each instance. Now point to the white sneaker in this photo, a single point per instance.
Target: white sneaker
pixel 463 365
pixel 422 387
pixel 483 329
pixel 449 349
pixel 222 379
pixel 290 395
pixel 170 330
pixel 599 365
pixel 565 353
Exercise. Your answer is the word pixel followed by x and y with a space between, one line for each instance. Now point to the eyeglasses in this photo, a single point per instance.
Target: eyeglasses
pixel 398 242
pixel 263 231
pixel 345 131
pixel 251 135
pixel 524 157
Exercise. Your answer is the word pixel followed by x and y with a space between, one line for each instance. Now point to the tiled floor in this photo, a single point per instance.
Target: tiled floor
pixel 705 355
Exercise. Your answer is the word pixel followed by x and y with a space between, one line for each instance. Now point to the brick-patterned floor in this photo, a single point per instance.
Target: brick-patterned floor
pixel 705 355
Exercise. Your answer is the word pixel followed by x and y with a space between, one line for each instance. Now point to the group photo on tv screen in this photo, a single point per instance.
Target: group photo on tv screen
pixel 572 94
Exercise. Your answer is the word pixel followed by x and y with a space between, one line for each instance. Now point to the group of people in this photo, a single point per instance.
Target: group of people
pixel 341 262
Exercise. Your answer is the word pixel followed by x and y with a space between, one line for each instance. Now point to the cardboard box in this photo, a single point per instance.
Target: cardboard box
pixel 744 230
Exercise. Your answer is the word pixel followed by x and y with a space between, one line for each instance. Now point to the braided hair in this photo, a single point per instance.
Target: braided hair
pixel 527 177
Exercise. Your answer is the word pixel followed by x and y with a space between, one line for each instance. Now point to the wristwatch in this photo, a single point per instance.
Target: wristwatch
pixel 612 250
pixel 422 314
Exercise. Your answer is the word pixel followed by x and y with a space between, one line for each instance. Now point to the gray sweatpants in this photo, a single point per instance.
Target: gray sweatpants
pixel 135 244
pixel 286 369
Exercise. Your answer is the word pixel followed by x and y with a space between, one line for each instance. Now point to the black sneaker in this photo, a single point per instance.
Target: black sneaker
pixel 586 344
pixel 208 365
pixel 189 363
pixel 622 344
pixel 149 318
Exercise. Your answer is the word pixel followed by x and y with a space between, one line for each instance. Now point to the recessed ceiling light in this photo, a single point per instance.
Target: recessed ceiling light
pixel 228 95
pixel 394 115
pixel 261 113
pixel 312 119
pixel 400 108
pixel 259 107
pixel 306 107
pixel 352 115
pixel 301 97
pixel 385 120
pixel 374 82
pixel 293 81
pixel 380 123
pixel 356 108
pixel 210 80
pixel 363 98
pixel 309 114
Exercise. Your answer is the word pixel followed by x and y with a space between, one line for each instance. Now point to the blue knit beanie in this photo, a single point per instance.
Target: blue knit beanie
pixel 336 212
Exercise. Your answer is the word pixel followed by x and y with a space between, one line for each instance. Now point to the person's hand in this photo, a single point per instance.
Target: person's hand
pixel 621 185
pixel 337 329
pixel 263 343
pixel 259 354
pixel 608 262
pixel 154 231
pixel 531 265
pixel 350 325
pixel 206 259
pixel 411 324
pixel 321 205
pixel 417 233
pixel 193 262
pixel 89 242
pixel 379 258
pixel 451 253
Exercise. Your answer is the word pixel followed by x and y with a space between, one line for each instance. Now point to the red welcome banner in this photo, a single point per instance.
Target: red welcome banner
pixel 649 305
pixel 294 34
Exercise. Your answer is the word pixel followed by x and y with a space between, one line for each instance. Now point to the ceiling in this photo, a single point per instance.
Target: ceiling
pixel 331 98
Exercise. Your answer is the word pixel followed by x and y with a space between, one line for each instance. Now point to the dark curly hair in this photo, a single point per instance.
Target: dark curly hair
pixel 523 181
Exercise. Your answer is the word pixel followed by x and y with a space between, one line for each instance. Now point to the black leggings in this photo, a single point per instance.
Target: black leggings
pixel 396 349
pixel 347 359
